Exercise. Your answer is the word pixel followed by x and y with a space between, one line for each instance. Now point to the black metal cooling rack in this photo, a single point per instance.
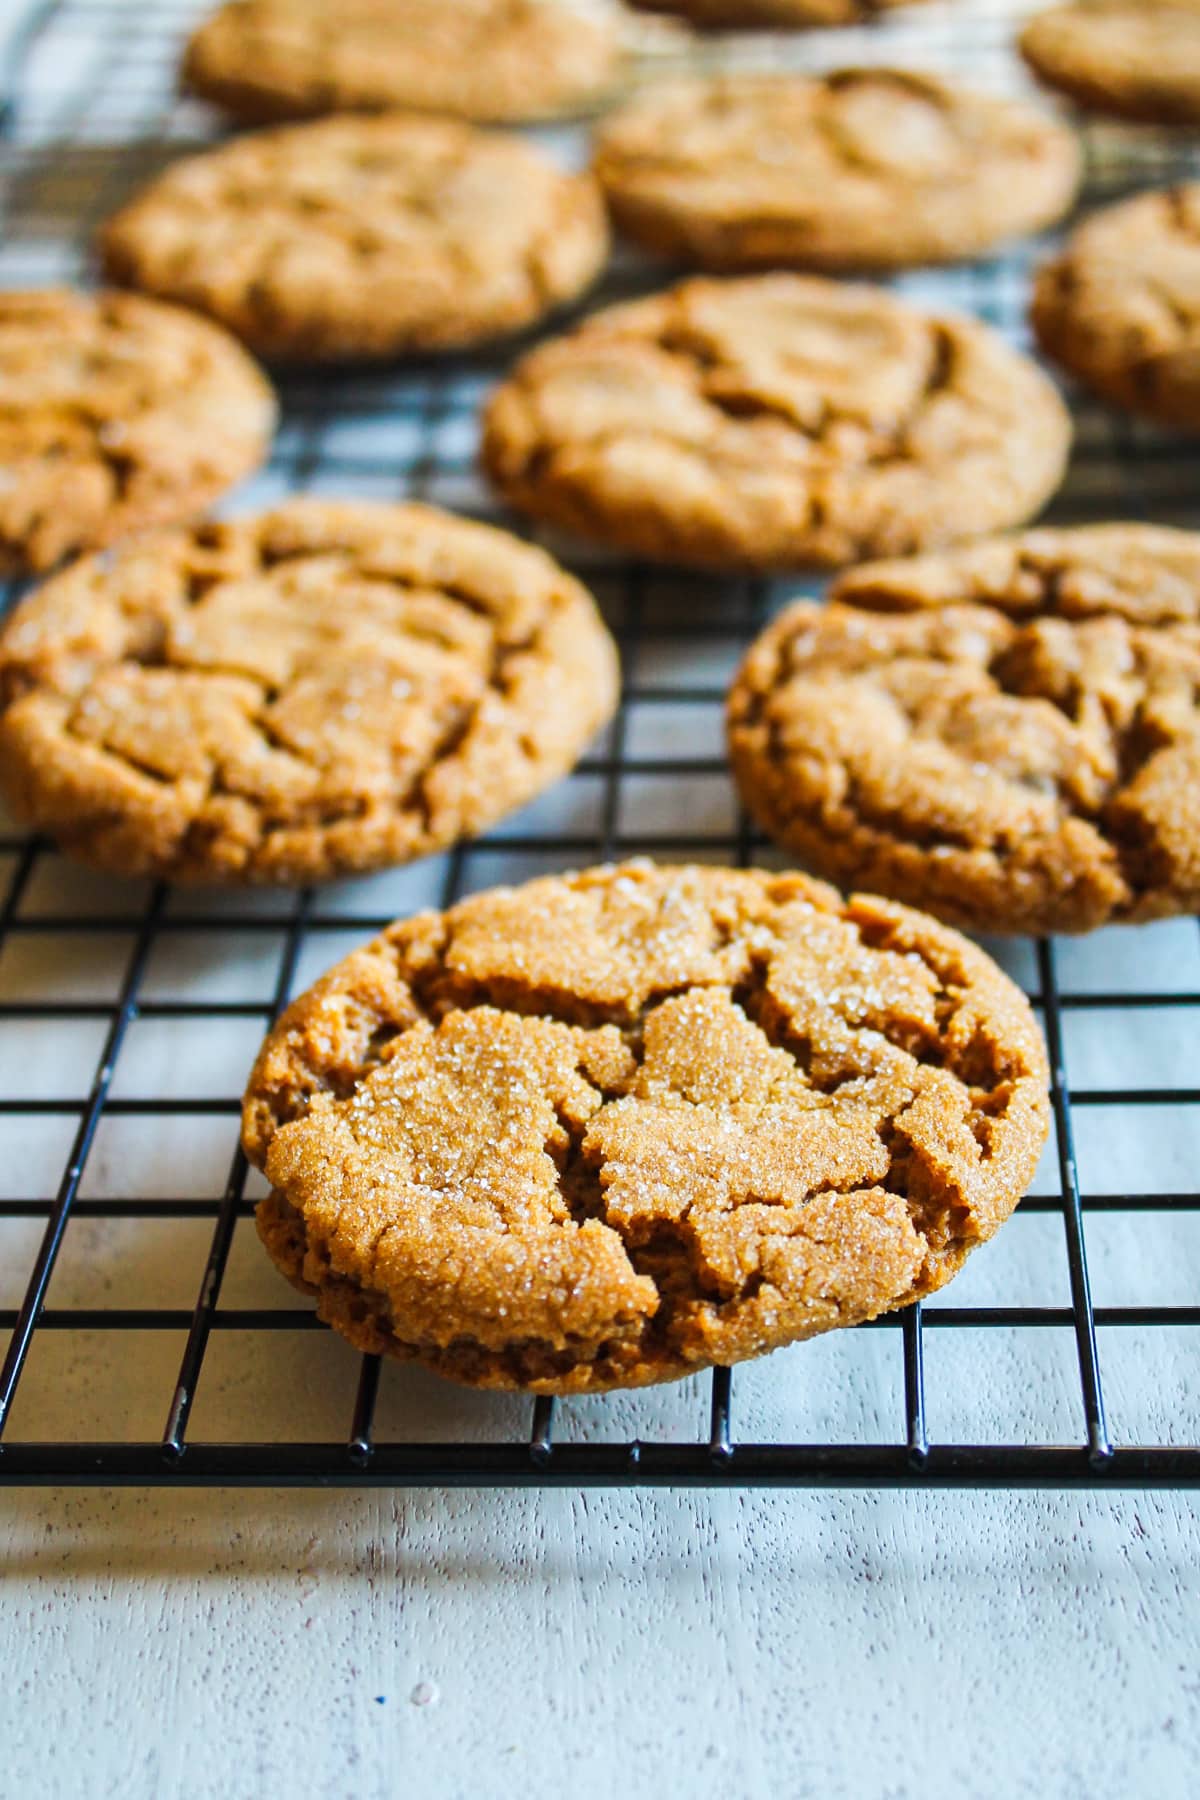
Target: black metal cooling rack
pixel 88 112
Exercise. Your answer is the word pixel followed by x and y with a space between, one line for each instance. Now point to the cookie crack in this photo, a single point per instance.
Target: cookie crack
pixel 847 147
pixel 442 991
pixel 1118 736
pixel 413 797
pixel 438 991
pixel 883 445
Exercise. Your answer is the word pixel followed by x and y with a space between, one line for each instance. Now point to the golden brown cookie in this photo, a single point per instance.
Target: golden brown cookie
pixel 324 688
pixel 772 421
pixel 860 169
pixel 1136 59
pixel 1008 734
pixel 609 1128
pixel 360 237
pixel 497 60
pixel 1120 307
pixel 116 413
pixel 781 15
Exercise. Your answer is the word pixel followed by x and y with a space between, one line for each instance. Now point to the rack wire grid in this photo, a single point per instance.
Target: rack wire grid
pixel 148 1340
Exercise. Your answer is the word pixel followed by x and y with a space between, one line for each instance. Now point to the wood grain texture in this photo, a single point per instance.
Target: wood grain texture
pixel 461 1645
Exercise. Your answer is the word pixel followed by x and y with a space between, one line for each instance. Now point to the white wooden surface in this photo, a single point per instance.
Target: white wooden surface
pixel 594 1644
pixel 456 1645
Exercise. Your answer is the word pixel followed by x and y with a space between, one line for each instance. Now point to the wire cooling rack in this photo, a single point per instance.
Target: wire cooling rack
pixel 146 1337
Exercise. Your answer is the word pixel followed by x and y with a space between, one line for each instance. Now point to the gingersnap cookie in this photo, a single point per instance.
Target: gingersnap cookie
pixel 1135 59
pixel 491 60
pixel 860 169
pixel 613 1127
pixel 782 15
pixel 116 413
pixel 775 420
pixel 324 688
pixel 1120 307
pixel 1008 734
pixel 360 237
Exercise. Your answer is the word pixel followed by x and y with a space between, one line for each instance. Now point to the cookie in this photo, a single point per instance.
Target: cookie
pixel 772 421
pixel 1135 59
pixel 782 15
pixel 1008 734
pixel 322 689
pixel 860 169
pixel 1120 308
pixel 610 1128
pixel 491 60
pixel 116 413
pixel 360 237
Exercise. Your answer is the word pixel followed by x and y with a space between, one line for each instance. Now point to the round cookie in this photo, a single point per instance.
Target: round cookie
pixel 324 688
pixel 1136 59
pixel 491 60
pixel 116 413
pixel 359 237
pixel 859 169
pixel 781 15
pixel 1008 734
pixel 1120 307
pixel 613 1127
pixel 772 421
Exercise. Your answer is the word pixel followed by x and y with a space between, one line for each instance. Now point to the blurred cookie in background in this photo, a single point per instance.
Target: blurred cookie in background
pixel 1135 59
pixel 773 421
pixel 859 169
pixel 116 413
pixel 1120 307
pixel 363 237
pixel 777 15
pixel 492 60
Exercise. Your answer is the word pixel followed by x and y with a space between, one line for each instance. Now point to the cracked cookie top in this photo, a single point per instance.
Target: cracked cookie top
pixel 498 60
pixel 775 420
pixel 324 688
pixel 607 1128
pixel 1137 59
pixel 782 14
pixel 361 237
pixel 1120 307
pixel 1008 735
pixel 859 169
pixel 116 413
